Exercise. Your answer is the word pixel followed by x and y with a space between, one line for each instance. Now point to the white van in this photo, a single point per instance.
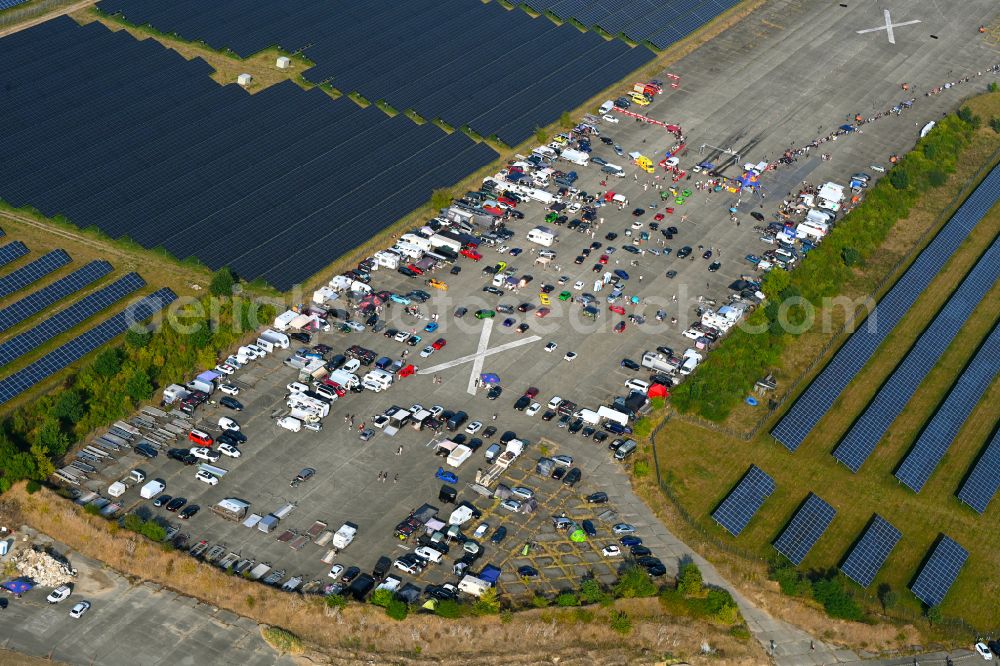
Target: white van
pixel 429 554
pixel 691 360
pixel 606 107
pixel 637 385
pixel 290 423
pixel 474 586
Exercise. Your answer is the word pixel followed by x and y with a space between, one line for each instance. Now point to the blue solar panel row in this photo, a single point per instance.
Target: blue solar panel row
pixel 935 439
pixel 312 163
pixel 83 344
pixel 7 4
pixel 12 251
pixel 35 302
pixel 32 272
pixel 72 316
pixel 939 572
pixel 871 551
pixel 983 481
pixel 868 430
pixel 456 60
pixel 806 527
pixel 735 512
pixel 817 399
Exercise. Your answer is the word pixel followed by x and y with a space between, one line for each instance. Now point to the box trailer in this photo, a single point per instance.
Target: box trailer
pixel 231 508
pixel 541 235
pixel 577 157
pixel 343 537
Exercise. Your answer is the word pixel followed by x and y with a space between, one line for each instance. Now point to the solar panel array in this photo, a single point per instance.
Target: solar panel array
pixel 72 316
pixel 735 512
pixel 12 251
pixel 66 354
pixel 939 572
pixel 864 435
pixel 660 22
pixel 871 551
pixel 806 527
pixel 35 302
pixel 497 71
pixel 983 481
pixel 32 272
pixel 273 185
pixel 817 399
pixel 7 4
pixel 935 439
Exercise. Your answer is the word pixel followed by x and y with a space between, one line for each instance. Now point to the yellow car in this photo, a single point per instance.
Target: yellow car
pixel 437 284
pixel 640 100
pixel 544 298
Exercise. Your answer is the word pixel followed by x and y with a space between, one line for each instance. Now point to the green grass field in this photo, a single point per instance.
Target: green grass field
pixel 701 466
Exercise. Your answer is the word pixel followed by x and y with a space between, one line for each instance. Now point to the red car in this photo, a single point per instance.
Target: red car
pixel 440 342
pixel 617 308
pixel 619 327
pixel 669 210
pixel 335 387
pixel 200 438
pixel 415 269
pixel 471 254
pixel 603 259
pixel 658 217
pixel 542 312
pixel 531 392
pixel 509 202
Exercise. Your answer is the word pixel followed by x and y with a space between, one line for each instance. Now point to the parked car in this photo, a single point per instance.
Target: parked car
pixel 79 609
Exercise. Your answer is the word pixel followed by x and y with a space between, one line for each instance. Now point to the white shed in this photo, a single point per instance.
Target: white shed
pixel 283 62
pixel 244 79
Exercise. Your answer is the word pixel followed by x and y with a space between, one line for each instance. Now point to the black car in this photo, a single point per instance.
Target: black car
pixel 490 289
pixel 189 512
pixel 558 472
pixel 588 528
pixel 576 426
pixel 161 500
pixel 475 444
pixel 548 415
pixel 666 351
pixel 640 551
pixel 298 336
pixel 638 212
pixel 461 312
pixel 507 436
pixel 406 271
pixel 459 438
pixel 597 498
pixel 522 403
pixel 579 260
pixel 600 436
pixel 588 431
pixel 607 140
pixel 231 403
pixel 671 275
pixel 412 341
pixel 707 254
pixel 182 455
pixel 489 432
pixel 494 392
pixel 498 535
pixel 630 364
pixel 419 295
pixel 350 574
pixel 440 592
pixel 505 308
pixel 684 251
pixel 714 266
pixel 527 572
pixel 631 249
pixel 572 477
pixel 455 270
pixel 234 437
pixel 610 236
pixel 525 307
pixel 176 503
pixel 145 450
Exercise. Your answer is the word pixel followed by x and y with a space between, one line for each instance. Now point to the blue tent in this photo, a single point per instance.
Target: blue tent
pixel 489 378
pixel 18 587
pixel 490 574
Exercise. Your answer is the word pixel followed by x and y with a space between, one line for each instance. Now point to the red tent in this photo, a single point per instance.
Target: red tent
pixel 658 391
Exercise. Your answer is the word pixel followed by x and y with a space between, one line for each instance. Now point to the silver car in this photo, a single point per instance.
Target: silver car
pixel 522 492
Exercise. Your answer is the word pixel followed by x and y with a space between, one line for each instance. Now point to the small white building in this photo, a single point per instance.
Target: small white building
pixel 283 62
pixel 244 80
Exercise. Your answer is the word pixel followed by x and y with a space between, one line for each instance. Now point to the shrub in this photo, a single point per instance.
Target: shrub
pixel 448 608
pixel 591 592
pixel 397 609
pixel 937 178
pixel 282 640
pixel 789 580
pixel 538 601
pixel 382 598
pixel 541 136
pixel 583 615
pixel 995 124
pixel 640 468
pixel 642 428
pixel 566 121
pixel 993 87
pixel 934 614
pixel 689 580
pixel 888 597
pixel 850 256
pixel 836 600
pixel 222 282
pixel 634 582
pixel 487 603
pixel 250 601
pixel 621 622
pixel 440 198
pixel 899 178
pixel 966 115
pixel 33 487
pixel 722 607
pixel 335 601
pixel 506 617
pixel 567 599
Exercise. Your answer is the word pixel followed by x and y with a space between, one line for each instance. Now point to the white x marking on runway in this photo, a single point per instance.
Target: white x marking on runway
pixel 889 25
pixel 481 353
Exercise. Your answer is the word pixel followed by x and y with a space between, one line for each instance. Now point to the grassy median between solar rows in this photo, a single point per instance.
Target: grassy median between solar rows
pixel 699 466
